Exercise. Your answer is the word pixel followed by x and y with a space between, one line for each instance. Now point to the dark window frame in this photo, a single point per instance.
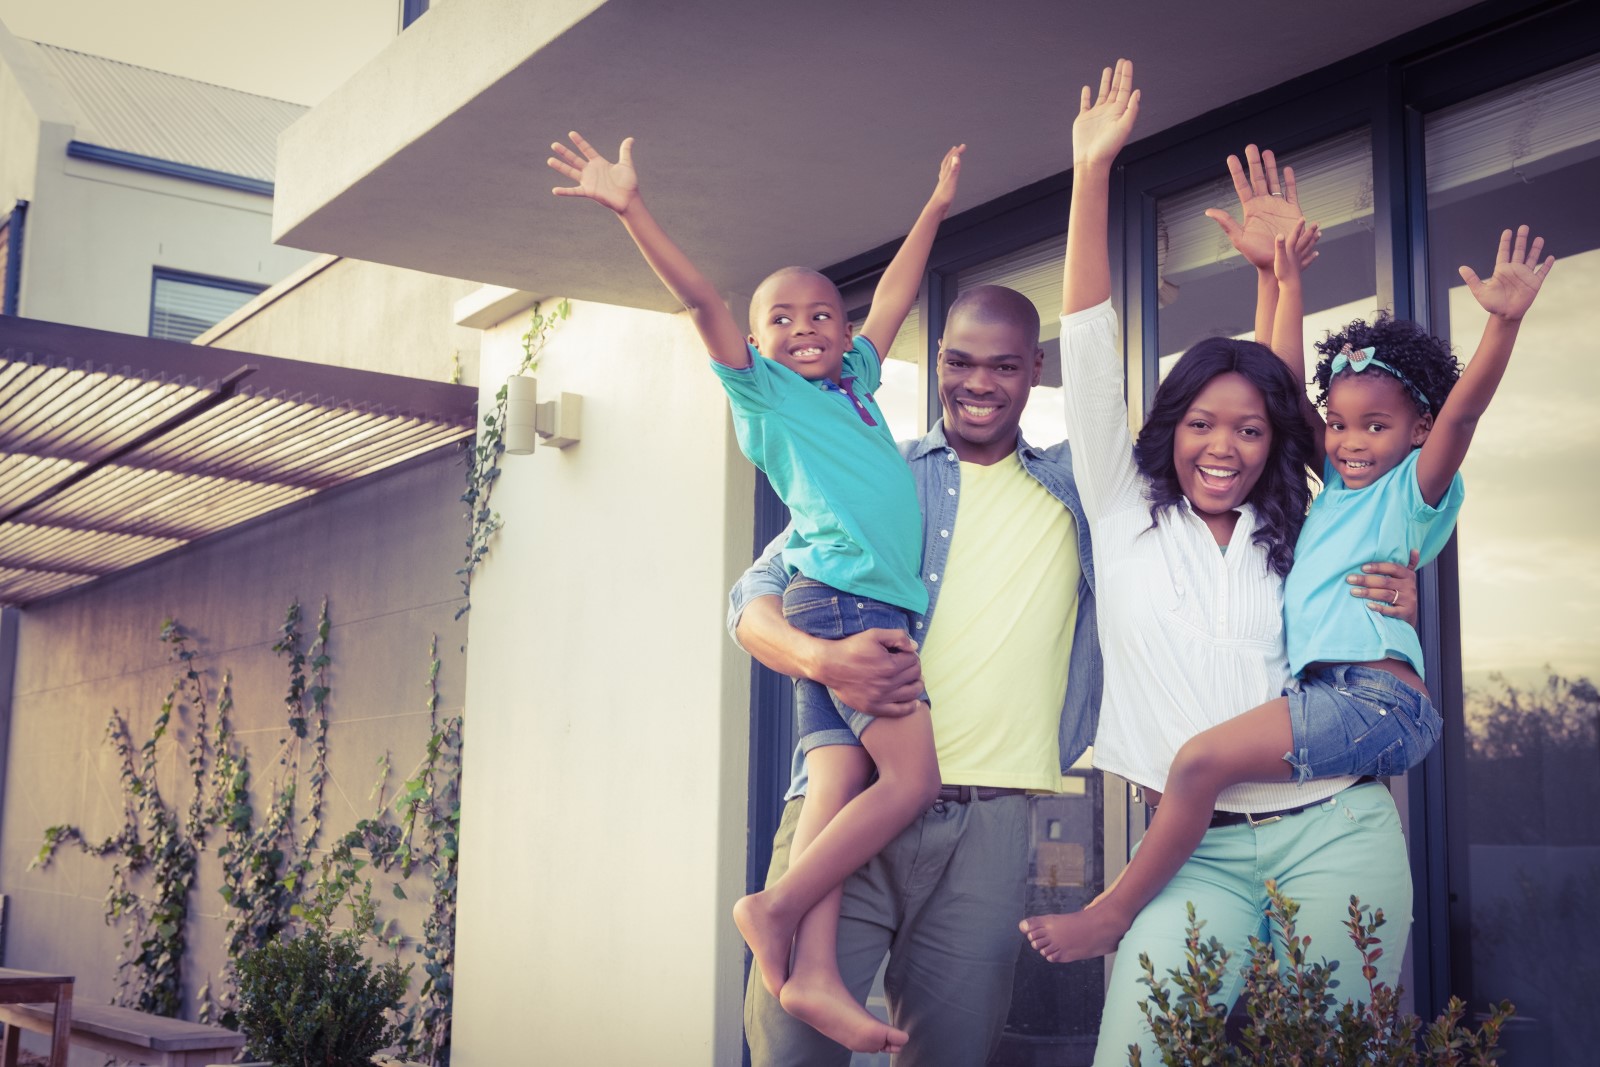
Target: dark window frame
pixel 209 281
pixel 1389 89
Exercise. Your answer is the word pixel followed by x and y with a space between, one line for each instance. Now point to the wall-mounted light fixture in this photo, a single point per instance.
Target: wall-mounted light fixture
pixel 527 420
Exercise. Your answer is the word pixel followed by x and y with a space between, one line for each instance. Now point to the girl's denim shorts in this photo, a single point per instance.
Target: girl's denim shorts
pixel 1348 719
pixel 823 611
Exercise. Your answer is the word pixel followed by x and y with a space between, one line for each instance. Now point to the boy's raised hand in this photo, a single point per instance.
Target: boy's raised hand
pixel 1271 208
pixel 1104 123
pixel 616 185
pixel 1517 276
pixel 944 192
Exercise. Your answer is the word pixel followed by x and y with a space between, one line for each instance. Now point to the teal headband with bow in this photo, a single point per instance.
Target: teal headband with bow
pixel 1357 360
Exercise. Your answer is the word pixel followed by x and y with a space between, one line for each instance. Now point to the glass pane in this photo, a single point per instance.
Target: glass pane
pixel 1208 290
pixel 1035 272
pixel 184 308
pixel 1529 565
pixel 899 395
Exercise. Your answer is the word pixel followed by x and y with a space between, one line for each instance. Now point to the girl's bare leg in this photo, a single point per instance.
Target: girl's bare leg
pixel 907 783
pixel 1247 748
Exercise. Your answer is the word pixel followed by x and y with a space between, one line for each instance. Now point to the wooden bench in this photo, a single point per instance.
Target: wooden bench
pixel 132 1035
pixel 50 997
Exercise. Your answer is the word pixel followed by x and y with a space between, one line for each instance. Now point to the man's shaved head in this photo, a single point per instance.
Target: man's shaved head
pixel 998 306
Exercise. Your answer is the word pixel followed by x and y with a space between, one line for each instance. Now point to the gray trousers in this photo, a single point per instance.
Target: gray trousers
pixel 942 901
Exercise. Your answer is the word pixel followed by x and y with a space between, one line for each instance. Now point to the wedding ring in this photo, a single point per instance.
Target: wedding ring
pixel 1396 601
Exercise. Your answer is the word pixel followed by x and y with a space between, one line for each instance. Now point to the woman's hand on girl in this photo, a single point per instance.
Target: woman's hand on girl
pixel 1517 276
pixel 1389 588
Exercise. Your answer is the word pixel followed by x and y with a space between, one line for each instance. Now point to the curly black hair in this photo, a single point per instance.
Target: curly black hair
pixel 1424 359
pixel 1282 495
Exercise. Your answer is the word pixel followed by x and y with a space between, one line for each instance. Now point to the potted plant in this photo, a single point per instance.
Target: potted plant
pixel 316 999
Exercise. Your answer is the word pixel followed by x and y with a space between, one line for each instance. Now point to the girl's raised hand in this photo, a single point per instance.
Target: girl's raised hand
pixel 1104 123
pixel 944 193
pixel 616 185
pixel 1517 276
pixel 1291 252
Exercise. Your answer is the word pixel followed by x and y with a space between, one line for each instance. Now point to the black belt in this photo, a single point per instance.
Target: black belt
pixel 1262 818
pixel 966 794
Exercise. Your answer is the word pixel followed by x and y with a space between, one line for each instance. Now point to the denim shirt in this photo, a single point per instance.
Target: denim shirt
pixel 937 472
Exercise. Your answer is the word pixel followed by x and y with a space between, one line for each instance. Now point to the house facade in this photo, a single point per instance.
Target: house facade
pixel 624 762
pixel 624 774
pixel 130 199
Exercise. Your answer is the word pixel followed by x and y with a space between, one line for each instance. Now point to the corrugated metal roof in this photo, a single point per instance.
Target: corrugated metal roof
pixel 148 113
pixel 117 449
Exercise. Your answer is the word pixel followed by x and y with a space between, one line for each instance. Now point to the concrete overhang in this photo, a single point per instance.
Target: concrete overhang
pixel 766 134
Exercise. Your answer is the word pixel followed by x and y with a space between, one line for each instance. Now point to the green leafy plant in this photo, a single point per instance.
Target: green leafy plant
pixel 274 874
pixel 315 999
pixel 158 844
pixel 1294 1016
pixel 418 831
pixel 483 456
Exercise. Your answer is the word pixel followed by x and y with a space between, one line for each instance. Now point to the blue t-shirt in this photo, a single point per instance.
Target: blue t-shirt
pixel 1382 522
pixel 830 457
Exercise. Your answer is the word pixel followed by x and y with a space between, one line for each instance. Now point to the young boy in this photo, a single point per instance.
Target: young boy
pixel 800 387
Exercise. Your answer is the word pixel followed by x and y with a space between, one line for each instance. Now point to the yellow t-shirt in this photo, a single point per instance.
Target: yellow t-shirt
pixel 995 656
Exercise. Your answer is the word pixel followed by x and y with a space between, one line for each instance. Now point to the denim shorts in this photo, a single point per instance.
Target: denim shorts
pixel 823 611
pixel 1348 719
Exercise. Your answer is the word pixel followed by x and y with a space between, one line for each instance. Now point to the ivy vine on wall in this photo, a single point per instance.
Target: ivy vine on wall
pixel 483 456
pixel 273 874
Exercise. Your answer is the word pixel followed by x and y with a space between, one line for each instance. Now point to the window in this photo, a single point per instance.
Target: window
pixel 1035 272
pixel 900 394
pixel 1206 289
pixel 1521 756
pixel 183 306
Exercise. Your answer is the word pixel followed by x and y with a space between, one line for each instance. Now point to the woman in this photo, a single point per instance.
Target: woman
pixel 1193 533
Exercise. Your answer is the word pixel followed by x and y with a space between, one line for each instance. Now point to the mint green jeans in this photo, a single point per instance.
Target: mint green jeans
pixel 1350 844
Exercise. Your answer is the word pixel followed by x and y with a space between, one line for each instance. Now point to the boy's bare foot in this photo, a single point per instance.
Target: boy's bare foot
pixel 824 1004
pixel 1080 935
pixel 770 939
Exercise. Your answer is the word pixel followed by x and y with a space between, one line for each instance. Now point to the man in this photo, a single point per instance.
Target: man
pixel 1010 659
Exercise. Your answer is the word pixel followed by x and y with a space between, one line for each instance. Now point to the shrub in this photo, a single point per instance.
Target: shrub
pixel 316 1000
pixel 1294 1017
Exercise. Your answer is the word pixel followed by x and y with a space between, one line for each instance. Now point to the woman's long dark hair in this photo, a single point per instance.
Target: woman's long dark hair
pixel 1282 494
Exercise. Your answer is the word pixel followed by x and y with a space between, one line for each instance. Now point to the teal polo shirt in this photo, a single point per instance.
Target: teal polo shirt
pixel 1344 529
pixel 830 457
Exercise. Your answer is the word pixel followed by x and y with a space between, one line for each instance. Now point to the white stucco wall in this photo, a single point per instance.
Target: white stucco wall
pixel 350 313
pixel 19 136
pixel 96 231
pixel 383 551
pixel 604 815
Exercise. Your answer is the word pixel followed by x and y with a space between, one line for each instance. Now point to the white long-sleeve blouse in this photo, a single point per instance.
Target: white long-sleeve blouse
pixel 1191 636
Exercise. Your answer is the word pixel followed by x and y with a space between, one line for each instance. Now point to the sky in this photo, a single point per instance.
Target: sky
pixel 295 50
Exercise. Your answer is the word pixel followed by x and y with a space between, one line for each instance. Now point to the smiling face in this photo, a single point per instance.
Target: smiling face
pixel 986 368
pixel 1373 424
pixel 1220 447
pixel 797 319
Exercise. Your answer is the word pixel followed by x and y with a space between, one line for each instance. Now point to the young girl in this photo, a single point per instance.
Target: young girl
pixel 800 387
pixel 1398 426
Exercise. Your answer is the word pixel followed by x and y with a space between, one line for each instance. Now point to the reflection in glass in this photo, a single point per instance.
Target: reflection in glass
pixel 899 395
pixel 1524 793
pixel 1035 272
pixel 1208 290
